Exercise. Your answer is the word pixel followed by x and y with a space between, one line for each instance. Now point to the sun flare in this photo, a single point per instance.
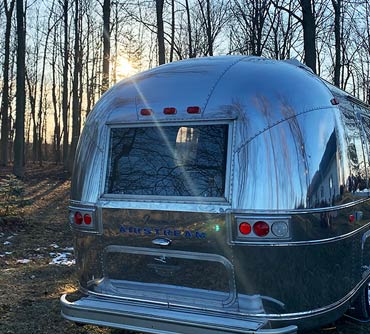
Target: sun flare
pixel 124 68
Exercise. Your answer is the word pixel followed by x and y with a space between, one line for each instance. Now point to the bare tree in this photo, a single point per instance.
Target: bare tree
pixel 77 70
pixel 56 102
pixel 173 20
pixel 5 92
pixel 251 20
pixel 209 22
pixel 190 39
pixel 309 29
pixel 337 5
pixel 106 45
pixel 18 168
pixel 50 27
pixel 160 31
pixel 284 32
pixel 65 6
pixel 309 33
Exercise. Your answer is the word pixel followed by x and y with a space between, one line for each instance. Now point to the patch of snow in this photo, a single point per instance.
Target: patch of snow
pixel 55 246
pixel 63 259
pixel 7 243
pixel 23 261
pixel 6 253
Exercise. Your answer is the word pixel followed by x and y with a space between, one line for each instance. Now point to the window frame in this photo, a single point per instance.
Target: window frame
pixel 226 198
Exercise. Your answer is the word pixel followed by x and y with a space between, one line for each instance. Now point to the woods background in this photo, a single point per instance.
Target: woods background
pixel 59 56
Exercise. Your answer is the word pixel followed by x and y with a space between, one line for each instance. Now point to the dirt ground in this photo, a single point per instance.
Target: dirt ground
pixel 32 236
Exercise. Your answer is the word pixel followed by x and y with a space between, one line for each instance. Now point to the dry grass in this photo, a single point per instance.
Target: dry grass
pixel 29 293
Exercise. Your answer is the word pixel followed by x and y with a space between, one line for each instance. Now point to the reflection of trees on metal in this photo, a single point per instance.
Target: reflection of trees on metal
pixel 168 161
pixel 299 143
pixel 325 188
pixel 355 149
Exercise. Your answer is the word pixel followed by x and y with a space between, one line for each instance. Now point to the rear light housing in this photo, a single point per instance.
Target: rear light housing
pixel 260 229
pixel 84 218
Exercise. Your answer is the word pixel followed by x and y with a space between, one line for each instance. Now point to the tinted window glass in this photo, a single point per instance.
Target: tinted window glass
pixel 168 161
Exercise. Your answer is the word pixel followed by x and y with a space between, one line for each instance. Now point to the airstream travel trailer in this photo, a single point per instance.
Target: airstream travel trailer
pixel 222 195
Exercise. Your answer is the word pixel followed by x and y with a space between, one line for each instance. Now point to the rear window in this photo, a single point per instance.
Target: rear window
pixel 168 161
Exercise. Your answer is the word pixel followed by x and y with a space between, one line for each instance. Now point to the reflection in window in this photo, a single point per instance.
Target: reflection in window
pixel 168 161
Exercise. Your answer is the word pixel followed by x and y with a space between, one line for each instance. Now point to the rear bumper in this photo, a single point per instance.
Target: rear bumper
pixel 158 319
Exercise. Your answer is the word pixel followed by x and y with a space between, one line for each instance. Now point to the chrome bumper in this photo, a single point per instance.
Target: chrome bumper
pixel 158 319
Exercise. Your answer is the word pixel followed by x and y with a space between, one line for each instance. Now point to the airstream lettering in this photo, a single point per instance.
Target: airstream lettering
pixel 162 232
pixel 222 195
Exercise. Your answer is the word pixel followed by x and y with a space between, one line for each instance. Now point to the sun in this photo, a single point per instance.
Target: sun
pixel 124 68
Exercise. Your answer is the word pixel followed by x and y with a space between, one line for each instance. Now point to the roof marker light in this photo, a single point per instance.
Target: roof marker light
pixel 169 111
pixel 193 110
pixel 334 101
pixel 146 112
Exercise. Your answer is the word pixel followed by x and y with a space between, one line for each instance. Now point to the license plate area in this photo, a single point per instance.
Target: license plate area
pixel 174 277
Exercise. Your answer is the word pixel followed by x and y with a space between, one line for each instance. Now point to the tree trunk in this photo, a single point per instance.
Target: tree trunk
pixel 56 135
pixel 190 40
pixel 32 102
pixel 18 168
pixel 5 98
pixel 209 29
pixel 309 34
pixel 76 106
pixel 337 64
pixel 65 86
pixel 41 99
pixel 160 32
pixel 106 45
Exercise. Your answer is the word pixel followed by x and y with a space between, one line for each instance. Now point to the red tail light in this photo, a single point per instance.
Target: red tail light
pixel 245 228
pixel 87 219
pixel 261 228
pixel 78 218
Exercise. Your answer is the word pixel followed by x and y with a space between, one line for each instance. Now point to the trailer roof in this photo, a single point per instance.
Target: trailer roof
pixel 222 87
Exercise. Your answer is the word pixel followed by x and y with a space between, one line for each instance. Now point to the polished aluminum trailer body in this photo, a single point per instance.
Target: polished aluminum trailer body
pixel 225 195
